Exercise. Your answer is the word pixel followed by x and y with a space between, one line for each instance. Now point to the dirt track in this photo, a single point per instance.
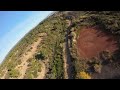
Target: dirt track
pixel 92 41
pixel 26 57
pixel 67 56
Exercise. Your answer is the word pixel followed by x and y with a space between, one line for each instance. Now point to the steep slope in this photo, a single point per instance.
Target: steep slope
pixel 65 46
pixel 24 59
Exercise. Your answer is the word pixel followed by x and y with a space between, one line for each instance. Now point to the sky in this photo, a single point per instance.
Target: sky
pixel 14 25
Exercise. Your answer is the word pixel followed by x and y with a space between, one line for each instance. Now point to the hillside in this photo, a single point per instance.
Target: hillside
pixel 68 45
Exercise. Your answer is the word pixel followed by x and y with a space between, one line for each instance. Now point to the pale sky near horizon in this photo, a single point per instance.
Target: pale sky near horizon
pixel 14 25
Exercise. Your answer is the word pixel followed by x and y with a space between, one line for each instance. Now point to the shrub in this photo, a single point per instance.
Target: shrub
pixel 40 56
pixel 14 73
pixel 34 67
pixel 29 60
pixel 19 62
pixel 97 68
pixel 84 75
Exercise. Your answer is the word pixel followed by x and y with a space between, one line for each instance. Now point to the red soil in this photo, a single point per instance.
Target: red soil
pixel 92 41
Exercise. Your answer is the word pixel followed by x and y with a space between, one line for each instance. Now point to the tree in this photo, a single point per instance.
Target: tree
pixel 40 56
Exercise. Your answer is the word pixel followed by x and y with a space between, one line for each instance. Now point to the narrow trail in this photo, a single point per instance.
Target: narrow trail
pixel 65 62
pixel 28 55
pixel 67 56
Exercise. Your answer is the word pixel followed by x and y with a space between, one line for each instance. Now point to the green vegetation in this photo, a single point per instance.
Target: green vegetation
pixel 34 67
pixel 51 46
pixel 1 73
pixel 57 63
pixel 12 73
pixel 40 56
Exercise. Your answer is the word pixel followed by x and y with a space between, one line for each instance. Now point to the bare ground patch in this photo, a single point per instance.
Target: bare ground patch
pixel 91 42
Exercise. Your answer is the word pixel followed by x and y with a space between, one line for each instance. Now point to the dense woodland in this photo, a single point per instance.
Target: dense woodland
pixel 51 46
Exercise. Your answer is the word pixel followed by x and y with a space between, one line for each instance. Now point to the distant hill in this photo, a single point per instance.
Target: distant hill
pixel 68 45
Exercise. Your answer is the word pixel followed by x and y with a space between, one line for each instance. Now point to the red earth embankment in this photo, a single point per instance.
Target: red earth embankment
pixel 91 41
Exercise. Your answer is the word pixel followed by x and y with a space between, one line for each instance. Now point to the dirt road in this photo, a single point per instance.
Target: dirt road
pixel 67 56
